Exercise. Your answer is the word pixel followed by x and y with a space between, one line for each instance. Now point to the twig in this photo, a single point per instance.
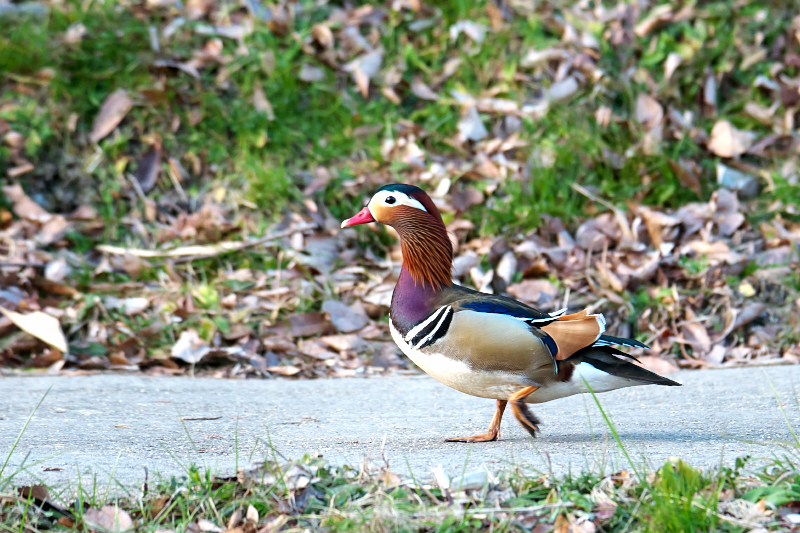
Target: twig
pixel 201 251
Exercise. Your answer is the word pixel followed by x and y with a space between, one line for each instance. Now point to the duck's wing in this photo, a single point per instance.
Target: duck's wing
pixel 563 334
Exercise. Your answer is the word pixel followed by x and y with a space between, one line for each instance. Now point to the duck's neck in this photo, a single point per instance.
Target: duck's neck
pixel 426 272
pixel 427 252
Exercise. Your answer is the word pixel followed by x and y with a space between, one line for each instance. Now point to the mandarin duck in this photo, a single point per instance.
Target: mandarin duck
pixel 488 345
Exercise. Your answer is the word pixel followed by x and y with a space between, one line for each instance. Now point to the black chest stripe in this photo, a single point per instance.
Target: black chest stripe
pixel 431 328
pixel 421 330
pixel 441 329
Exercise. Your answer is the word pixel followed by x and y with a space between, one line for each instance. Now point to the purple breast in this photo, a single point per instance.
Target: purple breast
pixel 411 302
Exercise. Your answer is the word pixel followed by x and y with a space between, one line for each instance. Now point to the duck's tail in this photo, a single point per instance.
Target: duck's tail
pixel 614 363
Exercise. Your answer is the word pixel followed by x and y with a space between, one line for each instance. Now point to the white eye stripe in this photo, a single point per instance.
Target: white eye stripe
pixel 399 197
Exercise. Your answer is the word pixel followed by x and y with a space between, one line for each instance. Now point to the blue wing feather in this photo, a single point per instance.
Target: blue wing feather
pixel 499 307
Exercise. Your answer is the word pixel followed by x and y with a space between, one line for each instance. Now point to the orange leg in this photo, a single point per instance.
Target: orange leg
pixel 493 433
pixel 526 419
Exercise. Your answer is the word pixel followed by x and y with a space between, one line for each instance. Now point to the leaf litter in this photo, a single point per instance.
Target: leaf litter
pixel 706 281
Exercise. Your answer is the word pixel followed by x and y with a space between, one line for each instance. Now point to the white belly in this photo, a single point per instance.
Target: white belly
pixel 456 374
pixel 598 380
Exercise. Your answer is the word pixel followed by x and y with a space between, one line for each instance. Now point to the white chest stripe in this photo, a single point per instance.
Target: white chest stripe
pixel 436 331
pixel 422 325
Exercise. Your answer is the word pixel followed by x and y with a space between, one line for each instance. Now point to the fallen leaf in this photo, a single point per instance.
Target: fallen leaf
pixel 745 185
pixel 56 270
pixel 19 170
pixel 113 110
pixel 287 370
pixel 129 306
pixel 710 90
pixel 657 16
pixel 323 35
pixel 344 318
pixel 316 350
pixel 75 33
pixel 307 324
pixel 108 519
pixel 311 73
pixel 24 207
pixel 686 176
pixel 363 68
pixel 537 292
pixel 728 141
pixel 562 90
pixel 475 31
pixel 421 90
pixel 648 111
pixel 465 197
pixel 148 169
pixel 46 359
pixel 657 364
pixel 671 64
pixel 605 510
pixel 190 348
pixel 41 325
pixel 471 126
pixel 38 492
pixel 208 526
pixel 261 103
pixel 53 230
pixel 656 221
pixel 697 335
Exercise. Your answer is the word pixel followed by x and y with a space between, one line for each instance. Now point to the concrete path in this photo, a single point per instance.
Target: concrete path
pixel 90 424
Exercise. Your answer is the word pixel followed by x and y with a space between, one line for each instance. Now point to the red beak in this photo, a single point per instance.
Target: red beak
pixel 363 217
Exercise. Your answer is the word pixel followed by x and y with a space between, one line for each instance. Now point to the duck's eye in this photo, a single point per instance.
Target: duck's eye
pixel 390 200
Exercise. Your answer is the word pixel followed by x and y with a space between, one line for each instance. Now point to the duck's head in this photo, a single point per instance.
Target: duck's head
pixel 427 251
pixel 397 205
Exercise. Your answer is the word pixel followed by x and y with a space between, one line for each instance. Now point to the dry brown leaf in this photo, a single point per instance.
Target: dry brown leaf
pixel 657 364
pixel 19 170
pixel 149 167
pixel 323 35
pixel 287 370
pixel 310 73
pixel 671 64
pixel 344 318
pixel 656 221
pixel 52 231
pixel 697 335
pixel 728 141
pixel 108 519
pixel 363 68
pixel 648 111
pixel 535 291
pixel 190 348
pixel 612 279
pixel 315 349
pixel 421 90
pixel 24 207
pixel 41 325
pixel 658 16
pixel 261 103
pixel 686 176
pixel 307 324
pixel 471 127
pixel 113 110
